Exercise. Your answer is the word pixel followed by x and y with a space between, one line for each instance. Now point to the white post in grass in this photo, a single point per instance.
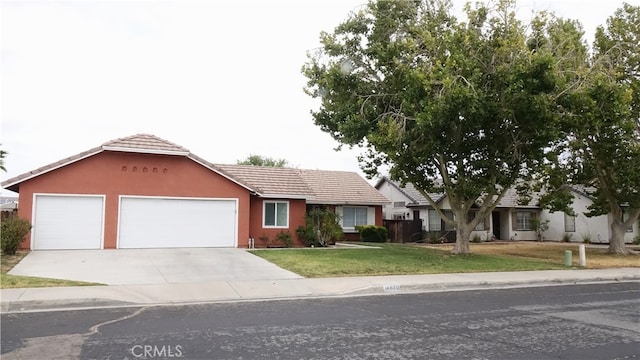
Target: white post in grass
pixel 583 256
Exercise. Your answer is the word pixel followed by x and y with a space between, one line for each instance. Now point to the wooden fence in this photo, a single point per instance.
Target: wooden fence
pixel 401 231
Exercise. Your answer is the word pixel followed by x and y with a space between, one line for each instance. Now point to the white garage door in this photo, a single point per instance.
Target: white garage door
pixel 176 222
pixel 67 222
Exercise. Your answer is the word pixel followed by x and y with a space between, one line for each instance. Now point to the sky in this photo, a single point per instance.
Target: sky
pixel 221 78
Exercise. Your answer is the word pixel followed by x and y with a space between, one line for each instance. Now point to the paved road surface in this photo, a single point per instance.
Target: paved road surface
pixel 559 322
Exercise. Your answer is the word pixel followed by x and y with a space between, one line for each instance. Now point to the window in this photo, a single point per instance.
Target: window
pixel 625 217
pixel 354 216
pixel 434 221
pixel 523 221
pixel 569 223
pixel 398 204
pixel 276 214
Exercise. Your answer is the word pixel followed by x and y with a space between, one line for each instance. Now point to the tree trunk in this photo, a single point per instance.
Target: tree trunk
pixel 462 239
pixel 616 242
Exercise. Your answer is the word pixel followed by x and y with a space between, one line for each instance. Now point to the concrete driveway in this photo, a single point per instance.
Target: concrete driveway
pixel 150 266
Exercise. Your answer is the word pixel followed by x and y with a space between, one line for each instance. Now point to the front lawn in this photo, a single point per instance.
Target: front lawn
pixel 597 256
pixel 394 259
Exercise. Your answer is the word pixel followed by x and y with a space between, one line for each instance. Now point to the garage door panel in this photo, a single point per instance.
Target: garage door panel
pixel 165 223
pixel 68 222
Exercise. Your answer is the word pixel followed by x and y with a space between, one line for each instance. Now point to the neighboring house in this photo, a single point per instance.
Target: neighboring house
pixel 596 229
pixel 509 220
pixel 145 192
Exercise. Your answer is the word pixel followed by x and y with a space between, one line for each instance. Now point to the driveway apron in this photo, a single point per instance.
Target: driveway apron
pixel 150 266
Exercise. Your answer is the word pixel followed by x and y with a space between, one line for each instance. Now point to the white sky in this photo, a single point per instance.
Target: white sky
pixel 221 78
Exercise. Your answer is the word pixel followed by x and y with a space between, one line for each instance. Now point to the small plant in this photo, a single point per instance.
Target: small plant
pixel 566 237
pixel 636 240
pixel 586 238
pixel 540 226
pixel 285 238
pixel 434 237
pixel 372 233
pixel 476 238
pixel 12 233
pixel 265 239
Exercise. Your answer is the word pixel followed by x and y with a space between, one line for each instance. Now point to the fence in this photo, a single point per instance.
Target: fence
pixel 401 231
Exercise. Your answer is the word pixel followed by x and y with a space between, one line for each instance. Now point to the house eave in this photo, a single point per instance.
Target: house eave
pixel 145 151
pixel 286 196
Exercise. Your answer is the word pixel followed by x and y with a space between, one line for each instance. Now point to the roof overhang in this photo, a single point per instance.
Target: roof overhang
pixel 146 151
pixel 287 196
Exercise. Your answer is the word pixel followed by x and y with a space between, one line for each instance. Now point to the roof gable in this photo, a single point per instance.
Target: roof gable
pixel 145 143
pixel 316 186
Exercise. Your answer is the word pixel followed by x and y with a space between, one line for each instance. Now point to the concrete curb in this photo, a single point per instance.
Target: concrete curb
pixel 78 298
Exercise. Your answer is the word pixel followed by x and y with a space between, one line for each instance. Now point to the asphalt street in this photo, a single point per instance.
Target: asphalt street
pixel 558 322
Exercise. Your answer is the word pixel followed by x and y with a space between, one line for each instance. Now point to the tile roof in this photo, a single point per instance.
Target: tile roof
pixel 317 186
pixel 269 181
pixel 145 143
pixel 341 187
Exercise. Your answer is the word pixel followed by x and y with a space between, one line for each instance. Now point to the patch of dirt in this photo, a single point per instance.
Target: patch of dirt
pixel 7 262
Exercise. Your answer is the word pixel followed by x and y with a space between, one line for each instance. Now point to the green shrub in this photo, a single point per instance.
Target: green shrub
pixel 567 237
pixel 322 228
pixel 586 238
pixel 285 238
pixel 307 236
pixel 372 233
pixel 636 240
pixel 476 238
pixel 12 233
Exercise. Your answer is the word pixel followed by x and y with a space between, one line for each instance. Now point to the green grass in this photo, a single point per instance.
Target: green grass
pixel 393 259
pixel 16 281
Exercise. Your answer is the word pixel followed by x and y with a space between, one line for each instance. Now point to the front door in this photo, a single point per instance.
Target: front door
pixel 495 224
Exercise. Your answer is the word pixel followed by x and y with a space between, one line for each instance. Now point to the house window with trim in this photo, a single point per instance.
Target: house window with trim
pixel 523 221
pixel 353 216
pixel 434 221
pixel 398 204
pixel 625 217
pixel 569 223
pixel 275 214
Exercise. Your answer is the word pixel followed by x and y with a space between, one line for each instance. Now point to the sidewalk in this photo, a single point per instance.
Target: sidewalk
pixel 82 297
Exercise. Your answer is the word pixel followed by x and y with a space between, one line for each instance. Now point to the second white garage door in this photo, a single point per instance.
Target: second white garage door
pixel 148 222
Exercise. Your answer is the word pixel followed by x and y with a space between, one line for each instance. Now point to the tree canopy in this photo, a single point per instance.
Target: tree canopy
pixel 257 160
pixel 600 146
pixel 461 107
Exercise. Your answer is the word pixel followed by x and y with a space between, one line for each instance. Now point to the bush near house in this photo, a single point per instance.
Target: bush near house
pixel 322 228
pixel 12 232
pixel 285 238
pixel 372 233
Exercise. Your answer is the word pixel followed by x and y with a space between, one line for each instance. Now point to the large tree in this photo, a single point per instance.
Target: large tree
pixel 460 107
pixel 258 160
pixel 601 122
